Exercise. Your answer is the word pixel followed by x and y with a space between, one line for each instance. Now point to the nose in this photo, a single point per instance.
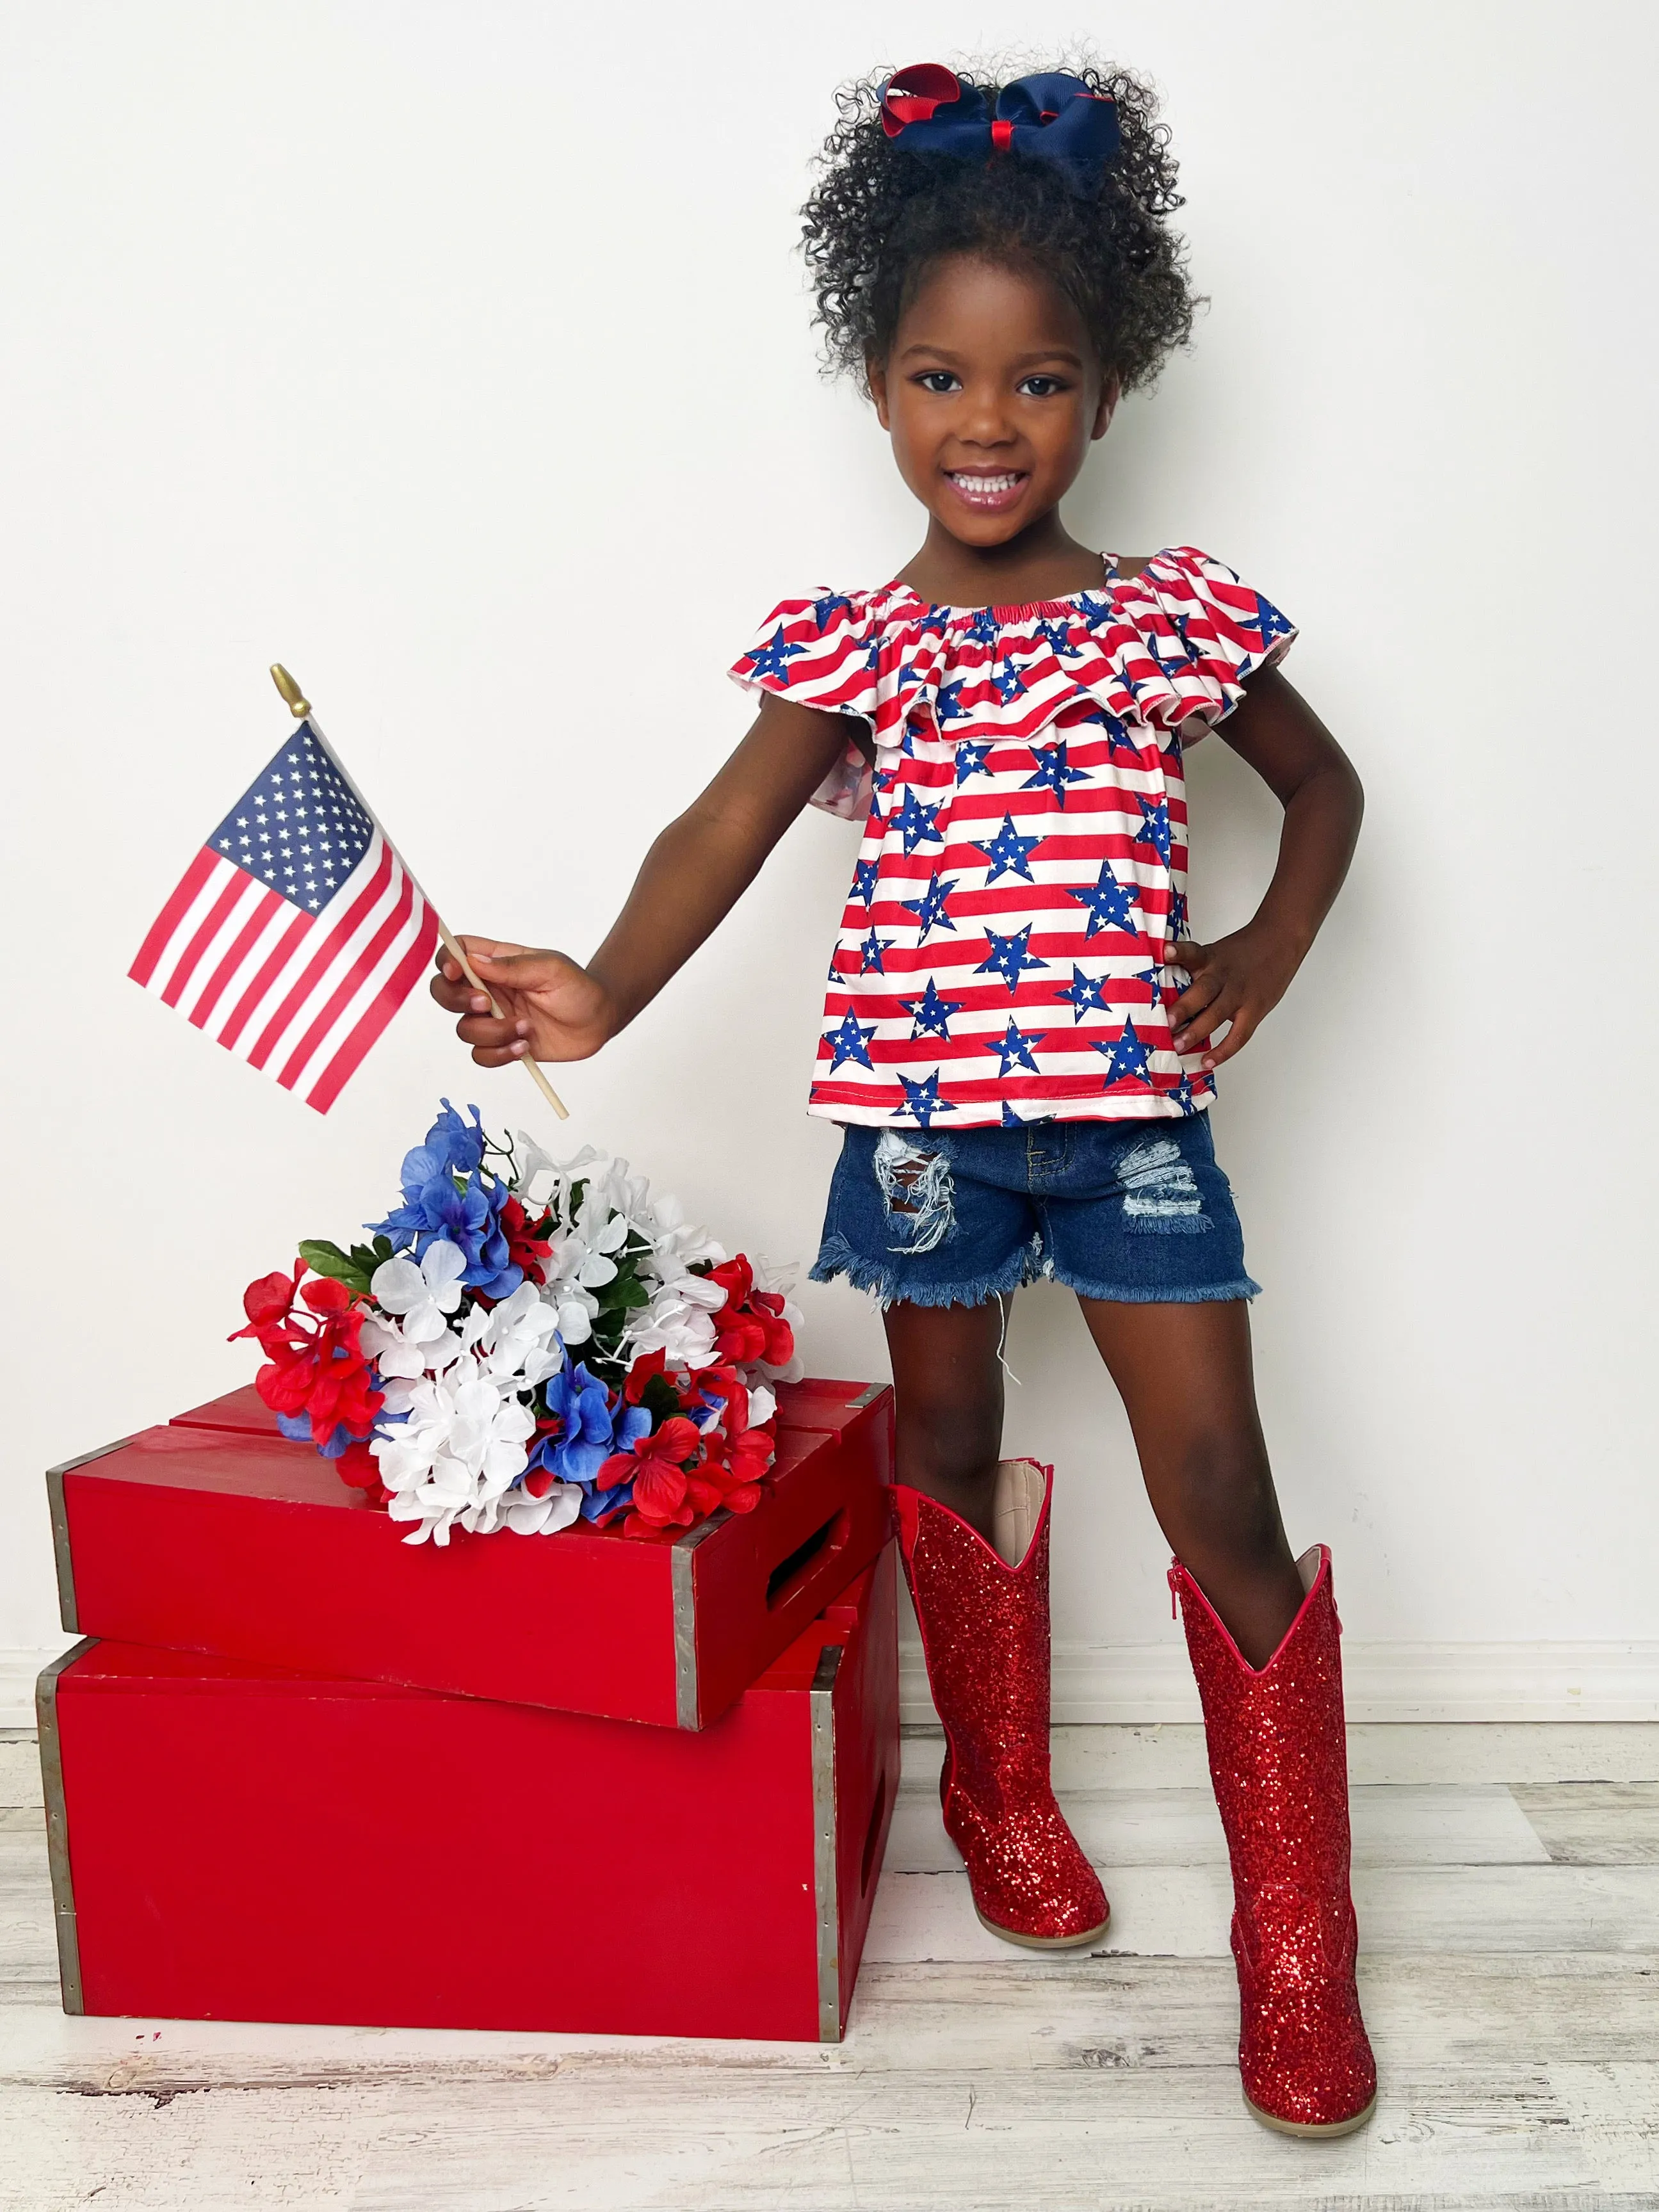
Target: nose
pixel 982 420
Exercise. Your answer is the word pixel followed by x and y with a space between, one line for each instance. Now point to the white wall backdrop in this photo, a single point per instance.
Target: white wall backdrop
pixel 457 355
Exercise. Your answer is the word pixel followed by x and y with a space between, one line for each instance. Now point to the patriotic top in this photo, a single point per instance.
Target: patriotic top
pixel 1006 952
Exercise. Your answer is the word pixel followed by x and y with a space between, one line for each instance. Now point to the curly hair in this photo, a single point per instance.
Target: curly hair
pixel 878 217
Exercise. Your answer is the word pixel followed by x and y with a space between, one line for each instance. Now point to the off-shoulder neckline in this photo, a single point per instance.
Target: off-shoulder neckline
pixel 1007 610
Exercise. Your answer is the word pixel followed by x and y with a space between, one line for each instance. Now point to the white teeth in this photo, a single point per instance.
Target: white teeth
pixel 965 482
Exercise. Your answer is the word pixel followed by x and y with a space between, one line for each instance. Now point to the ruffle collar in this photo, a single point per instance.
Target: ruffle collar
pixel 1171 646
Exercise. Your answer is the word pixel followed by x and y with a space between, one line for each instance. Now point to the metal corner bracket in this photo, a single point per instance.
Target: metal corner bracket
pixel 826 1901
pixel 61 1557
pixel 57 1849
pixel 682 1568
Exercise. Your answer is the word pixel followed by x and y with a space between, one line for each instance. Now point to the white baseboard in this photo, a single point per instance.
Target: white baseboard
pixel 1150 1682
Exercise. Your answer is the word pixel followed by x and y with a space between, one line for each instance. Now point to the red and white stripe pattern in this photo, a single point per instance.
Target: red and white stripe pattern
pixel 294 964
pixel 1006 952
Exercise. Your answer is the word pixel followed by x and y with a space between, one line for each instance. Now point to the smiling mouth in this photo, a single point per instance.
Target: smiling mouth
pixel 989 488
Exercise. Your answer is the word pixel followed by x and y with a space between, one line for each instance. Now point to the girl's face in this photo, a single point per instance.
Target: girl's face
pixel 991 394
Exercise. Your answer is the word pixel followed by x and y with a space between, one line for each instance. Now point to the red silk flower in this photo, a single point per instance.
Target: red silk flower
pixel 750 1325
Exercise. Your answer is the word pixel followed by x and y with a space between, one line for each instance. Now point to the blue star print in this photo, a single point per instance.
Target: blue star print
pixel 1178 915
pixel 864 881
pixel 1007 852
pixel 984 628
pixel 1085 993
pixel 1010 683
pixel 916 823
pixel 1015 1049
pixel 1154 829
pixel 1183 1094
pixel 1126 1057
pixel 871 949
pixel 1053 771
pixel 825 610
pixel 1270 622
pixel 1009 956
pixel 931 1013
pixel 850 1041
pixel 1010 1119
pixel 930 910
pixel 1153 979
pixel 923 1099
pixel 1111 904
pixel 970 760
pixel 948 706
pixel 1092 609
pixel 1055 635
pixel 772 657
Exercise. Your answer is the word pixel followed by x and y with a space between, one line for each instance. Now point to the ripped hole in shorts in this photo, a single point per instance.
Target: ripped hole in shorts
pixel 917 1188
pixel 1160 1195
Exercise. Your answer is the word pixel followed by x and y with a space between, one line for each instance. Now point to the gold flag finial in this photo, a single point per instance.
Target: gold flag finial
pixel 294 700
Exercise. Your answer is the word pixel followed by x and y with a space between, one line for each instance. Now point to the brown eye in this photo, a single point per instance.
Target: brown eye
pixel 937 379
pixel 1040 387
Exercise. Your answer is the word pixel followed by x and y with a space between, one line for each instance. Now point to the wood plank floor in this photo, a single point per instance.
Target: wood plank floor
pixel 1508 1884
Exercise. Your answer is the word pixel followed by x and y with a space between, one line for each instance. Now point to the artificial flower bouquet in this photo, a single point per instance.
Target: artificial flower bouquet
pixel 524 1345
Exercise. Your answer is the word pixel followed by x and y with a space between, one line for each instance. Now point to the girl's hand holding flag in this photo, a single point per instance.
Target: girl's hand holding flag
pixel 550 1008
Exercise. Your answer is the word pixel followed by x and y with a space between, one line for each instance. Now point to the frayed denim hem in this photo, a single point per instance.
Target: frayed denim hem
pixel 837 1257
pixel 1174 1295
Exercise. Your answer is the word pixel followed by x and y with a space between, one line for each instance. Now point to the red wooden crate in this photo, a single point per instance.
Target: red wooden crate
pixel 221 1538
pixel 232 1843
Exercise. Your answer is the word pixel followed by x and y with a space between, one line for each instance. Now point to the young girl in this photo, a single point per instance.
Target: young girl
pixel 1020 1037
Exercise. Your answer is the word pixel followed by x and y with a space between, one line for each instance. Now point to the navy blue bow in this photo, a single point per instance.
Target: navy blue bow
pixel 1049 117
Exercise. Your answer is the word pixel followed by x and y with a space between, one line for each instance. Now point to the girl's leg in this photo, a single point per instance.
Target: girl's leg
pixel 1276 1738
pixel 1183 1372
pixel 947 1389
pixel 974 1536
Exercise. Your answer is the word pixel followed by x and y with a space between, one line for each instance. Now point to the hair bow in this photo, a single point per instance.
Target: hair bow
pixel 1048 118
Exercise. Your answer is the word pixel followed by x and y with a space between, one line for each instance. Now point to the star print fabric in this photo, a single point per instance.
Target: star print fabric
pixel 1006 952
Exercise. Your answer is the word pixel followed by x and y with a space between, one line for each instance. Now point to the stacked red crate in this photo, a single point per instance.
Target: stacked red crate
pixel 290 1700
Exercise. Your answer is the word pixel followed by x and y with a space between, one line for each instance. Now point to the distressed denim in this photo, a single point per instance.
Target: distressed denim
pixel 1136 1211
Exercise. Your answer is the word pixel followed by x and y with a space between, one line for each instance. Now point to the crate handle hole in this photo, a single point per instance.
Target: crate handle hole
pixel 787 1578
pixel 873 1835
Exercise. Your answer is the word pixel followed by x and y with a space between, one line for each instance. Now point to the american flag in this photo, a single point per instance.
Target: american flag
pixel 296 933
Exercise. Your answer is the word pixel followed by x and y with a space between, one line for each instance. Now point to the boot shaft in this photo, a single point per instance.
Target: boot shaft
pixel 983 1614
pixel 1276 1735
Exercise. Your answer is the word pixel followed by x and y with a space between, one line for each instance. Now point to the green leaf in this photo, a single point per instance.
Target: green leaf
pixel 660 1400
pixel 327 1259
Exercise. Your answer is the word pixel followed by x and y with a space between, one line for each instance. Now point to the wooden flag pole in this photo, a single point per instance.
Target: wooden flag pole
pixel 299 708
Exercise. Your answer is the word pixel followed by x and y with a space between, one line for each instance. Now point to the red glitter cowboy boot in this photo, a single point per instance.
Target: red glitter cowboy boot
pixel 1279 1759
pixel 984 1621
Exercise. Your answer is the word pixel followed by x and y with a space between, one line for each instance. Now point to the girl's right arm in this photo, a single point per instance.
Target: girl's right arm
pixel 692 877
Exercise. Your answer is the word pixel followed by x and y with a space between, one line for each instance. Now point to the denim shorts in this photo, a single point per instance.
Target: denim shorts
pixel 1137 1211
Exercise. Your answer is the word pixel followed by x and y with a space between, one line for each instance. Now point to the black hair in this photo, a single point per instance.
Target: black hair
pixel 879 216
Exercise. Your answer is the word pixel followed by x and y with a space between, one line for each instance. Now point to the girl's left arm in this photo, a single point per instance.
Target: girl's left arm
pixel 1241 978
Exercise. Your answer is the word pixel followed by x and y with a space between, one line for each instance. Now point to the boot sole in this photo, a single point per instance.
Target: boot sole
pixel 1045 1943
pixel 1311 2129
